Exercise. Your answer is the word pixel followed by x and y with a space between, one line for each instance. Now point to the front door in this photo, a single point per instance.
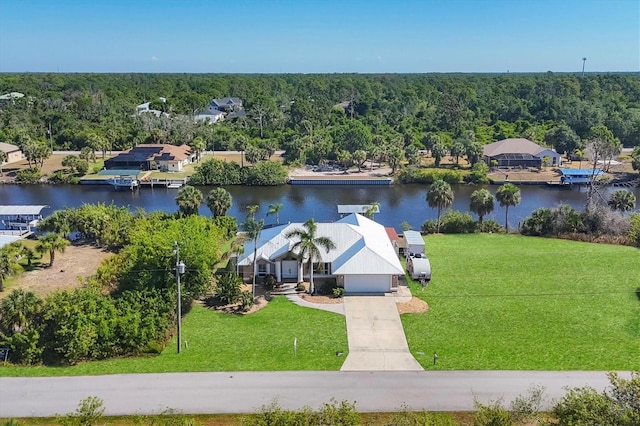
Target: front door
pixel 289 269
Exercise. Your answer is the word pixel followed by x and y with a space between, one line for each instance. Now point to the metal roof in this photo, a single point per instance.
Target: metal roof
pixel 413 238
pixel 8 239
pixel 119 172
pixel 362 246
pixel 356 208
pixel 16 210
pixel 581 172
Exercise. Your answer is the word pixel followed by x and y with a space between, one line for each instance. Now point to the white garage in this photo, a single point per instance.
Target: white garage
pixel 367 283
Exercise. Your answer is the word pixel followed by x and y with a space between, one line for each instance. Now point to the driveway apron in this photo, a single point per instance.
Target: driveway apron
pixel 376 337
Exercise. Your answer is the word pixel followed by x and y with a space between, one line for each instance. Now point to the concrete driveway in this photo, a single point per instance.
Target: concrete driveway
pixel 376 337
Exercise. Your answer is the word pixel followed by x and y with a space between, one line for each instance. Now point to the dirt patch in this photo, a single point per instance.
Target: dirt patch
pixel 236 308
pixel 76 261
pixel 414 306
pixel 321 299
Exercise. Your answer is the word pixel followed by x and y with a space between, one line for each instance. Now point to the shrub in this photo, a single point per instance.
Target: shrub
pixel 228 288
pixel 300 287
pixel 634 229
pixel 493 414
pixel 338 292
pixel 479 174
pixel 30 175
pixel 451 222
pixel 246 300
pixel 269 282
pixel 490 226
pixel 267 173
pixel 540 223
pixel 429 227
pixel 89 412
pixel 413 174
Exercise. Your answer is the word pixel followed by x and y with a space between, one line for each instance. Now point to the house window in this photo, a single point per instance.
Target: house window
pixel 262 269
pixel 322 268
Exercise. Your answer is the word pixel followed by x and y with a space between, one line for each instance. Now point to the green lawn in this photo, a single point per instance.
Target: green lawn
pixel 525 303
pixel 262 341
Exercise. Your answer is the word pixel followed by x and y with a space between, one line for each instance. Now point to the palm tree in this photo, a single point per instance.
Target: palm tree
pixel 508 195
pixel 198 144
pixel 481 203
pixel 51 243
pixel 275 209
pixel 440 196
pixel 253 228
pixel 622 200
pixel 371 209
pixel 7 265
pixel 189 199
pixel 17 309
pixel 308 246
pixel 252 210
pixel 3 158
pixel 219 201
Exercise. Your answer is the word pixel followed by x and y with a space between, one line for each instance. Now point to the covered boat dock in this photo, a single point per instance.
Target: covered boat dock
pixel 20 220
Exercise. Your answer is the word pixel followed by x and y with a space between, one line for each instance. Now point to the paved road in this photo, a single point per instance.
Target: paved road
pixel 247 391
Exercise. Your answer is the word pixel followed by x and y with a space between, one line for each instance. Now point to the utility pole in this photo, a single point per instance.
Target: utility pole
pixel 50 137
pixel 180 267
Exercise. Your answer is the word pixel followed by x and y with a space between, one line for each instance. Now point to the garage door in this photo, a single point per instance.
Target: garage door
pixel 367 283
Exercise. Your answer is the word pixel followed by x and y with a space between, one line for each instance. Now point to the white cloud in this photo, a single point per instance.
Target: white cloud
pixel 154 58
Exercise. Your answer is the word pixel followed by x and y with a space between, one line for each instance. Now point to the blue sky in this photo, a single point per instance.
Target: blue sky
pixel 314 36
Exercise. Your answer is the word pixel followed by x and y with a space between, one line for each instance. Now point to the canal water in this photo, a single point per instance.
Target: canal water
pixel 398 203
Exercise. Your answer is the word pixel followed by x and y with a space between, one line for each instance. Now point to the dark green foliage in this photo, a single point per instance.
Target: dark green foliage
pixel 490 226
pixel 634 229
pixel 246 300
pixel 452 222
pixel 218 172
pixel 332 413
pixel 228 289
pixel 619 406
pixel 269 282
pixel 338 292
pixel 493 414
pixel 88 413
pixel 30 175
pixel 228 224
pixel 267 173
pixel 479 174
pixel 412 174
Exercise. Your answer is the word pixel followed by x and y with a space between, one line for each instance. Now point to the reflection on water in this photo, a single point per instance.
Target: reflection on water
pixel 398 203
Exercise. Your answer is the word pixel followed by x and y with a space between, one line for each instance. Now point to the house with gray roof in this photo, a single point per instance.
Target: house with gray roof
pixel 220 109
pixel 519 152
pixel 13 152
pixel 363 261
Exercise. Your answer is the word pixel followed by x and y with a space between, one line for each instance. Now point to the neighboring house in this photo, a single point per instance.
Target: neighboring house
pixel 146 108
pixel 363 261
pixel 394 238
pixel 11 96
pixel 211 115
pixel 13 152
pixel 519 152
pixel 220 109
pixel 227 104
pixel 163 157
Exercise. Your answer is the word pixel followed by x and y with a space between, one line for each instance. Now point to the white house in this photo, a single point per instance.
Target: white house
pixel 363 260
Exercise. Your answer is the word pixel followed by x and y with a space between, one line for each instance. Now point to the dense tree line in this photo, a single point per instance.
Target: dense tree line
pixel 346 118
pixel 128 306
